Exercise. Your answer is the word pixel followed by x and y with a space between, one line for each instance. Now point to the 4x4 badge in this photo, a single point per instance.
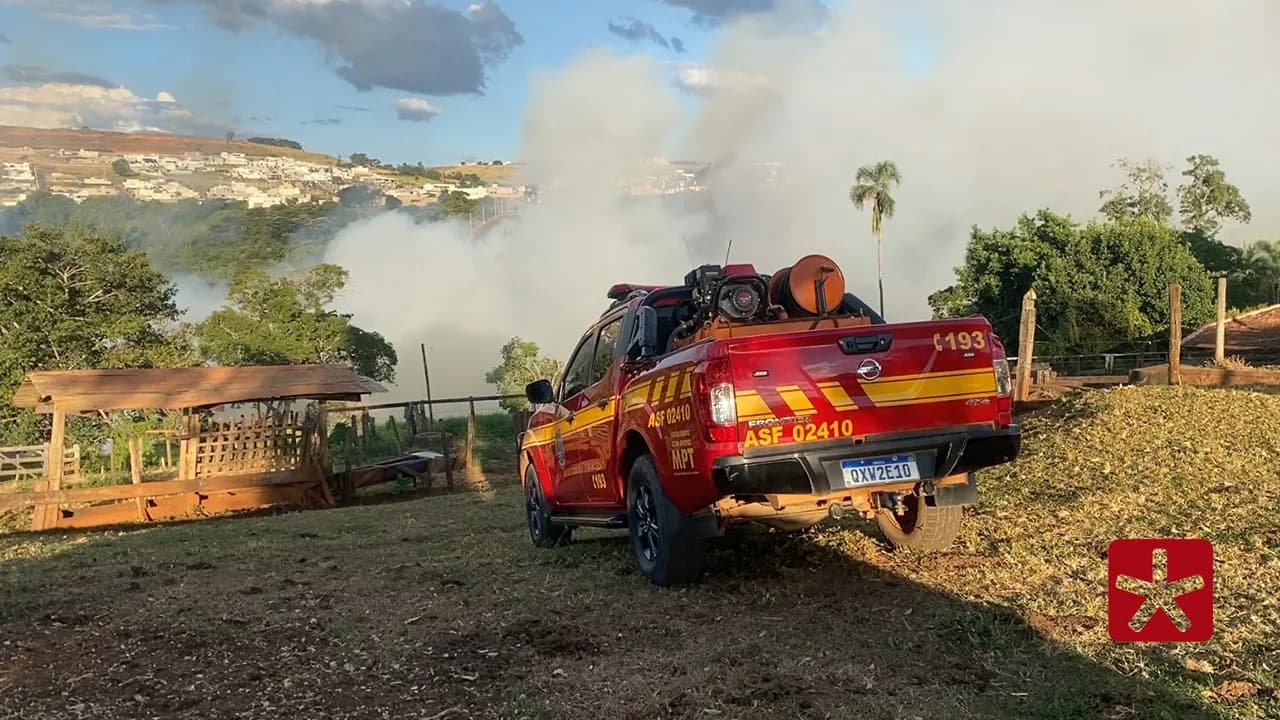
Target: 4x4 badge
pixel 869 369
pixel 559 448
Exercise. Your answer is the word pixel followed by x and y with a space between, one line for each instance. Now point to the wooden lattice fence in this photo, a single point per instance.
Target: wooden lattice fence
pixel 31 462
pixel 250 445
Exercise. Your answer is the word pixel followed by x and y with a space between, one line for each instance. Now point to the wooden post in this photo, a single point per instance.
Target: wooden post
pixel 46 516
pixel 135 472
pixel 322 429
pixel 426 373
pixel 348 479
pixel 471 434
pixel 1026 345
pixel 448 461
pixel 189 454
pixel 1219 342
pixel 411 421
pixel 1175 334
pixel 168 453
pixel 396 430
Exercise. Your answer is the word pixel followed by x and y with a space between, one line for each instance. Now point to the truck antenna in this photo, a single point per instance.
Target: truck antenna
pixel 688 250
pixel 727 250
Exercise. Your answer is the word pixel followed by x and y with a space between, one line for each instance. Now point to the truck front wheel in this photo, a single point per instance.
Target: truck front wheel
pixel 542 531
pixel 665 552
pixel 921 526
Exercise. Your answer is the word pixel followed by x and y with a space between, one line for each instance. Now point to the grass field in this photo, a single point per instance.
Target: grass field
pixel 438 607
pixel 487 173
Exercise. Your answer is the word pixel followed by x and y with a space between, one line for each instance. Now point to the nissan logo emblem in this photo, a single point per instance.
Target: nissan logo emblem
pixel 869 369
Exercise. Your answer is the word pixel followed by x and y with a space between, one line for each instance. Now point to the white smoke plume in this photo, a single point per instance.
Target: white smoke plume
pixel 1022 106
pixel 196 297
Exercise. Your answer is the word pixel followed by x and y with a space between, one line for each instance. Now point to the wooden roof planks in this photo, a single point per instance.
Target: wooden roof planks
pixel 1254 331
pixel 181 388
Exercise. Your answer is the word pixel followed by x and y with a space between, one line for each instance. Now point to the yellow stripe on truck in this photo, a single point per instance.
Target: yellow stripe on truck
pixel 836 395
pixel 585 419
pixel 974 383
pixel 797 400
pixel 751 406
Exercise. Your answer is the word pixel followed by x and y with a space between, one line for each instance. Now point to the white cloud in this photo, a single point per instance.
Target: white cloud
pixel 59 105
pixel 705 79
pixel 415 109
pixel 92 14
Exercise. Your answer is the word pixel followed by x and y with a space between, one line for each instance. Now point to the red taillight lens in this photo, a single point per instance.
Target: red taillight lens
pixel 717 408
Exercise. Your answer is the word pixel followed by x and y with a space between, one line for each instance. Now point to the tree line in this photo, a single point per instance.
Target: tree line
pixel 1102 284
pixel 72 298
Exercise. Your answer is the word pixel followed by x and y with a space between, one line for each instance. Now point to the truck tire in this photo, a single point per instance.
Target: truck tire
pixel 542 530
pixel 665 553
pixel 922 527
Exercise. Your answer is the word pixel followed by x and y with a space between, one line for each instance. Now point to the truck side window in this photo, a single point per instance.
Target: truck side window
pixel 606 348
pixel 577 374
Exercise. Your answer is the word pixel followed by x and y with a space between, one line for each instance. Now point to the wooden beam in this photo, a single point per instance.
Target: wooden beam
pixel 440 401
pixel 1175 334
pixel 152 489
pixel 1026 344
pixel 1219 342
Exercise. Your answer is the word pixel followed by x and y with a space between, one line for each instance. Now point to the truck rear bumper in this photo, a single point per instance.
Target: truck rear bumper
pixel 814 468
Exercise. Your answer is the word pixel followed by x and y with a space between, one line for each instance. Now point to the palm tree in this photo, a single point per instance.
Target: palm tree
pixel 1262 263
pixel 872 188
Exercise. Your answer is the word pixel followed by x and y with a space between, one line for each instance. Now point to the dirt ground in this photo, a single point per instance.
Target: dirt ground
pixel 439 607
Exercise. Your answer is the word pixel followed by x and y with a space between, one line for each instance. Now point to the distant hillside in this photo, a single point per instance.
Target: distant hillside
pixel 487 173
pixel 144 143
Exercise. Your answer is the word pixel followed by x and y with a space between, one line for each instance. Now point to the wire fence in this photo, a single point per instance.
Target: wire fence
pixel 1110 363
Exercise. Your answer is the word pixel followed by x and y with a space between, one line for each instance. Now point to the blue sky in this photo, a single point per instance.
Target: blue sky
pixel 272 67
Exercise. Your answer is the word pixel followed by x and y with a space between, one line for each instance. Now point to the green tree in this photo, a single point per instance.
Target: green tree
pixel 392 202
pixel 288 321
pixel 872 188
pixel 1101 287
pixel 364 160
pixel 456 203
pixel 1207 199
pixel 121 167
pixel 1144 194
pixel 521 365
pixel 72 301
pixel 358 196
pixel 1258 282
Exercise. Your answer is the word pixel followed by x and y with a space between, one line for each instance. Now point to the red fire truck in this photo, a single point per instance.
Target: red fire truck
pixel 779 399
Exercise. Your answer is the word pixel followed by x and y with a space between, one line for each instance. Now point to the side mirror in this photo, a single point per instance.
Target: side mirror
pixel 540 392
pixel 644 343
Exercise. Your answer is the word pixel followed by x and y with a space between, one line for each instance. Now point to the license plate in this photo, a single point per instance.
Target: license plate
pixel 879 470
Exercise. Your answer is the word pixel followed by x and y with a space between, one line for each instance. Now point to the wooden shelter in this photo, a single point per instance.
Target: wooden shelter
pixel 223 464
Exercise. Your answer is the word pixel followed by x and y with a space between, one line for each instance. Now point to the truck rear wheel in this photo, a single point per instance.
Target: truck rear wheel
pixel 542 530
pixel 922 526
pixel 665 554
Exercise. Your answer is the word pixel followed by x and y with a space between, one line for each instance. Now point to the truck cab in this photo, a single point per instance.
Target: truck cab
pixel 780 399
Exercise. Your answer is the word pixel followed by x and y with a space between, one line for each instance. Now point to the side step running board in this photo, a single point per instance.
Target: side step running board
pixel 611 522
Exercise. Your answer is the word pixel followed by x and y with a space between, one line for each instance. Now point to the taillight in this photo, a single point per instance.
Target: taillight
pixel 1004 382
pixel 713 385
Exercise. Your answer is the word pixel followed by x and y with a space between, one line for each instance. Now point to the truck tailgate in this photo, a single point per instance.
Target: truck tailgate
pixel 853 382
